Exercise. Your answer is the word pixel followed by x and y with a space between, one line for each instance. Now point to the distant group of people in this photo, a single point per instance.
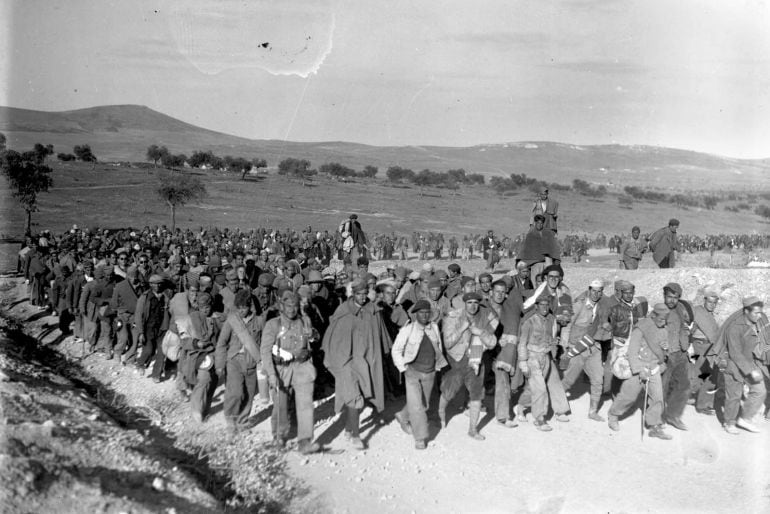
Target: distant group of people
pixel 275 319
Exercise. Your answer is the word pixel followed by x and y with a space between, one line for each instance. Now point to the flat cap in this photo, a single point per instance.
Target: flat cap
pixel 421 305
pixel 470 297
pixel 660 309
pixel 750 301
pixel 674 288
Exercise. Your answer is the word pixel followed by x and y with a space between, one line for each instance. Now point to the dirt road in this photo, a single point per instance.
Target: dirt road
pixel 579 467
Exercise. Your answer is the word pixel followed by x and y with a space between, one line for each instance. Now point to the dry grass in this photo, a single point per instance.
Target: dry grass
pixel 110 196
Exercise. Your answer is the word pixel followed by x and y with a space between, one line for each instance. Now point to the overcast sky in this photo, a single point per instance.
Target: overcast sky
pixel 692 74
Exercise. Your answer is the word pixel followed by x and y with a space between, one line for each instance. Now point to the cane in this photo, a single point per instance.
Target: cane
pixel 644 404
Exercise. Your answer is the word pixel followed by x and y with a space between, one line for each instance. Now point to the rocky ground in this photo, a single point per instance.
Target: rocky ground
pixel 85 434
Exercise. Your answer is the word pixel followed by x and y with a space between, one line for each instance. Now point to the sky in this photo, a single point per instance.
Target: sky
pixel 690 74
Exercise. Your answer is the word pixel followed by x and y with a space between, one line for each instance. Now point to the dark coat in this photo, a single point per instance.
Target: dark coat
pixel 353 351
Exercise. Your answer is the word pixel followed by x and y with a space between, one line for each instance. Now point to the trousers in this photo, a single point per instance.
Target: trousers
pixel 545 387
pixel 419 387
pixel 296 377
pixel 629 393
pixel 733 393
pixel 589 362
pixel 676 385
pixel 240 388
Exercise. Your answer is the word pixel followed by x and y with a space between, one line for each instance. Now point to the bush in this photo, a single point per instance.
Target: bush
pixel 763 210
pixel 65 157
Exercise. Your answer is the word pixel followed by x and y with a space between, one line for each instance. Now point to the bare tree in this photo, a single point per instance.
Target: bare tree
pixel 178 189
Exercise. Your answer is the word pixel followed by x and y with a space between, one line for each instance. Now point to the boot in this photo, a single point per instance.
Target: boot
pixel 442 405
pixel 657 431
pixel 474 410
pixel 306 447
pixel 593 412
pixel 613 423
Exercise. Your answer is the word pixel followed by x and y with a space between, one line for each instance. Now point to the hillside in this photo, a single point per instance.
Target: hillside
pixel 123 133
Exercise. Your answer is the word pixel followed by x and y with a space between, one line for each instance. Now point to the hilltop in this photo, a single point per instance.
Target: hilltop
pixel 123 133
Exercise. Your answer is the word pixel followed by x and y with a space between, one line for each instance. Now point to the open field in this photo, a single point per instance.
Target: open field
pixel 110 196
pixel 123 133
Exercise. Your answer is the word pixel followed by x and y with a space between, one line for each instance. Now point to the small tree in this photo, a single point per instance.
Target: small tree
pixel 156 153
pixel 255 164
pixel 65 156
pixel 3 142
pixel 297 168
pixel 84 153
pixel 27 178
pixel 178 189
pixel 370 171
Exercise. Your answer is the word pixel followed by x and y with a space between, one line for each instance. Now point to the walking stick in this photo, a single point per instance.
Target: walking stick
pixel 644 404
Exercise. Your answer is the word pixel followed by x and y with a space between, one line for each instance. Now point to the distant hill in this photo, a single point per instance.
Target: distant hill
pixel 123 133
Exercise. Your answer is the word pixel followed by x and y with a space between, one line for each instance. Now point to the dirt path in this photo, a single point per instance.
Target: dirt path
pixel 579 467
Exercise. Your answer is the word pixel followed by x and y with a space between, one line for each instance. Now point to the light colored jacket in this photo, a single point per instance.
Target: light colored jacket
pixel 408 341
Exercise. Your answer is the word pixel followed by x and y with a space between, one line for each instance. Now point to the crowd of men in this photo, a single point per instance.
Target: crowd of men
pixel 267 315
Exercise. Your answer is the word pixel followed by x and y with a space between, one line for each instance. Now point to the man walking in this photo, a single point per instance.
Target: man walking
pixel 286 359
pixel 632 250
pixel 646 355
pixel 676 381
pixel 417 353
pixel 664 245
pixel 746 340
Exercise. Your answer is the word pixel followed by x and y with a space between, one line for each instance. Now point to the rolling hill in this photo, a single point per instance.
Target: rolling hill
pixel 123 133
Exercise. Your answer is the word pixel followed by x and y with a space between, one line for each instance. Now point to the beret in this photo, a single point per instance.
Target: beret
pixel 553 267
pixel 660 309
pixel 465 280
pixel 674 288
pixel 673 222
pixel 485 275
pixel 421 305
pixel 359 285
pixel 596 284
pixel 156 279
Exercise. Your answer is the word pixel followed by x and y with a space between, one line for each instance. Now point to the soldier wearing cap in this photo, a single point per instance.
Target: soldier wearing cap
pixel 647 357
pixel 263 293
pixel 197 370
pixel 238 354
pixel 622 317
pixel 586 315
pixel 439 304
pixel 124 299
pixel 353 347
pixel 286 358
pixel 485 286
pixel 468 332
pixel 468 286
pixel 664 245
pixel 151 321
pixel 746 340
pixel 632 250
pixel 676 381
pixel 417 353
pixel 704 334
pixel 546 207
pixel 536 344
pixel 227 293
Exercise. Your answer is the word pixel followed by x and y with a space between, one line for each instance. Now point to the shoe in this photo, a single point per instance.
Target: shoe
pixel 730 429
pixel 677 423
pixel 279 442
pixel 562 418
pixel 519 413
pixel 405 426
pixel 109 356
pixel 543 426
pixel 474 434
pixel 155 379
pixel 595 416
pixel 706 412
pixel 307 447
pixel 613 423
pixel 356 443
pixel 507 423
pixel 140 371
pixel 183 395
pixel 420 445
pixel 657 431
pixel 747 425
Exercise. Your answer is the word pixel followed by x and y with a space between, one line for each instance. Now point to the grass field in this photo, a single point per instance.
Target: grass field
pixel 111 196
